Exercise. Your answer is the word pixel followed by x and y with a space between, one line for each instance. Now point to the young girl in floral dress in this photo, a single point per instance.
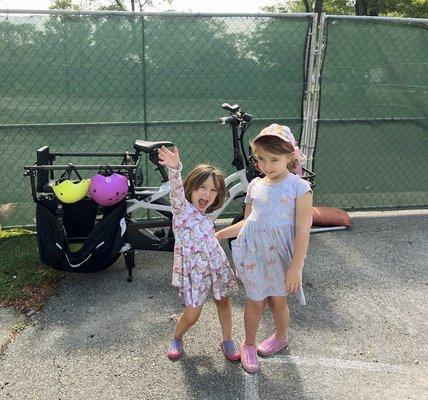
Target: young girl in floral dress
pixel 200 264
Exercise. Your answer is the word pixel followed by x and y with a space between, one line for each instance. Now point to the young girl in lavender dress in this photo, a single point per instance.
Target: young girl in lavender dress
pixel 273 239
pixel 200 264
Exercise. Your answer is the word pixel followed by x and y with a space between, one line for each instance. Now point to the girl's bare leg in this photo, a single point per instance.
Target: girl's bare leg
pixel 224 311
pixel 280 314
pixel 187 320
pixel 252 315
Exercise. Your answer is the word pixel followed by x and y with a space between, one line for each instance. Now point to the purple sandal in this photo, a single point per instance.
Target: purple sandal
pixel 272 345
pixel 230 350
pixel 175 350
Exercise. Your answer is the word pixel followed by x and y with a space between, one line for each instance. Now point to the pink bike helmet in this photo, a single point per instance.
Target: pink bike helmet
pixel 108 190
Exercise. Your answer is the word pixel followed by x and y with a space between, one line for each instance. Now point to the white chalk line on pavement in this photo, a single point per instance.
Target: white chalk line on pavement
pixel 251 380
pixel 251 386
pixel 333 363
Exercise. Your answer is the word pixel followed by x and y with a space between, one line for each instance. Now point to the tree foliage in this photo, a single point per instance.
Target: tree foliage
pixel 64 5
pixel 104 5
pixel 398 8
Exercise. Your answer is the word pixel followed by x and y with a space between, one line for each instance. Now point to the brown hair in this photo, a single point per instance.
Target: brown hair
pixel 275 145
pixel 198 176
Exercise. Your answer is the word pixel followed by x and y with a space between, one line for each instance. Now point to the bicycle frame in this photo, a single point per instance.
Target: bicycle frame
pixel 236 183
pixel 154 194
pixel 150 195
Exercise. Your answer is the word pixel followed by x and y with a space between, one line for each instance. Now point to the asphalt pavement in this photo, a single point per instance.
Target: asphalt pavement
pixel 362 334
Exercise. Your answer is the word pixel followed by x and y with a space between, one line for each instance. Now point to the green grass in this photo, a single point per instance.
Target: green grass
pixel 24 281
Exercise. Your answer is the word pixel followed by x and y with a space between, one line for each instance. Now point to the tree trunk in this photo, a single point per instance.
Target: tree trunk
pixel 307 6
pixel 318 7
pixel 373 8
pixel 361 7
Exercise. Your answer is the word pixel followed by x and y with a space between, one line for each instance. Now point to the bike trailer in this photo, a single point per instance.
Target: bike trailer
pixel 77 237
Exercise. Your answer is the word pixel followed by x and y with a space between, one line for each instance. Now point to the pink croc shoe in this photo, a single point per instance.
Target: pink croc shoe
pixel 230 350
pixel 175 350
pixel 272 345
pixel 249 359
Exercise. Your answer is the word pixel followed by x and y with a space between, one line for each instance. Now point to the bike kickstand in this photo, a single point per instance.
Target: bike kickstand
pixel 129 262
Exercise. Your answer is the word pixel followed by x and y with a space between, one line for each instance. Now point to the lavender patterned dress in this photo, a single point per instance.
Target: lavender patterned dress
pixel 265 244
pixel 200 264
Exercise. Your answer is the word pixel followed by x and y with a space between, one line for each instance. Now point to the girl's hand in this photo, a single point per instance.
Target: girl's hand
pixel 293 280
pixel 169 158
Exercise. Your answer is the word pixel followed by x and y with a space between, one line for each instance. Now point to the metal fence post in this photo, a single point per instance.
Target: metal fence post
pixel 310 115
pixel 308 95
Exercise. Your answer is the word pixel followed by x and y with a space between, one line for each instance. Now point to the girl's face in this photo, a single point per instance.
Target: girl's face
pixel 205 195
pixel 274 166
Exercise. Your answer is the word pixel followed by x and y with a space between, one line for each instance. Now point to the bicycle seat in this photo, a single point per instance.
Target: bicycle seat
pixel 148 147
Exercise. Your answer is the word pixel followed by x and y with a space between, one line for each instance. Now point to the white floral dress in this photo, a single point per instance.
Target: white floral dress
pixel 200 263
pixel 265 244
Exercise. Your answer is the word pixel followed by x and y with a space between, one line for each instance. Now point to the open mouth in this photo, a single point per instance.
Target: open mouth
pixel 202 203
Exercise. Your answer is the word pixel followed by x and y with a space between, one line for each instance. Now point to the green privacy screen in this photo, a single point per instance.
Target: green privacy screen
pixel 372 142
pixel 96 82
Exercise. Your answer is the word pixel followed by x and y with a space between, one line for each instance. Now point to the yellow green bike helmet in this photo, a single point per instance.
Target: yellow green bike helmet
pixel 70 192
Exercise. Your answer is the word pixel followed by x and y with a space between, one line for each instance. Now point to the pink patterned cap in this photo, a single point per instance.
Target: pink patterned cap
pixel 280 131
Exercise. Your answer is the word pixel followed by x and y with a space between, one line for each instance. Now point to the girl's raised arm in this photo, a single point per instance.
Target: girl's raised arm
pixel 172 161
pixel 169 158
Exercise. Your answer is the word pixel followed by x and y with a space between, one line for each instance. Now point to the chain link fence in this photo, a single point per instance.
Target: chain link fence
pixel 97 81
pixel 371 149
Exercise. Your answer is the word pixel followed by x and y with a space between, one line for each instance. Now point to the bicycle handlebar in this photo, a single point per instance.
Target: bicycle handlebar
pixel 226 120
pixel 237 115
pixel 228 107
